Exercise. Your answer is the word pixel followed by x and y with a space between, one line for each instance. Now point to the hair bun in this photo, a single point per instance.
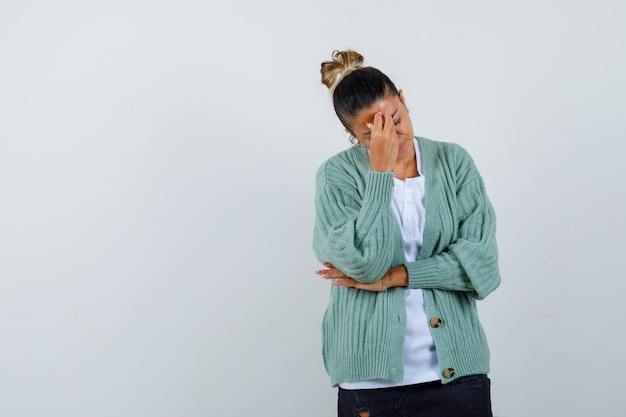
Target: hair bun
pixel 343 63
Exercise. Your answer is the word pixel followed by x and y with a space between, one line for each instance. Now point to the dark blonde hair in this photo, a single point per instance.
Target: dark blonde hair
pixel 353 86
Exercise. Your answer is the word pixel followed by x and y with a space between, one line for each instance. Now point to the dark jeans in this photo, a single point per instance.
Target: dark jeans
pixel 468 396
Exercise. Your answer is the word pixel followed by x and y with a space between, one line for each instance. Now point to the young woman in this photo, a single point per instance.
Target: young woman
pixel 406 233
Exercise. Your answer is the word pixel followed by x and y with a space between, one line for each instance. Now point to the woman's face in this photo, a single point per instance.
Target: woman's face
pixel 394 107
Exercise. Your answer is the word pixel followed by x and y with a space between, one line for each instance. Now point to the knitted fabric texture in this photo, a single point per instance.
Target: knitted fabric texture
pixel 355 230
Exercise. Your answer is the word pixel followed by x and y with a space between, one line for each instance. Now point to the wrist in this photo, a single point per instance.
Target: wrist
pixel 397 277
pixel 381 165
pixel 381 168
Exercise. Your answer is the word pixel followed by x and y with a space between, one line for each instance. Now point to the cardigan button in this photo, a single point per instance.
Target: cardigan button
pixel 448 373
pixel 435 322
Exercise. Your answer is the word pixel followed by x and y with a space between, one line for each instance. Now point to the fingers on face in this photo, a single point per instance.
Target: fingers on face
pixel 378 121
pixel 383 122
pixel 389 123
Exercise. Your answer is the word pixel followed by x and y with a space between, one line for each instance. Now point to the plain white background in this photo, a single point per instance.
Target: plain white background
pixel 157 164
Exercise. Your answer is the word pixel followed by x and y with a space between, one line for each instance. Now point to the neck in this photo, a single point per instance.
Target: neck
pixel 406 168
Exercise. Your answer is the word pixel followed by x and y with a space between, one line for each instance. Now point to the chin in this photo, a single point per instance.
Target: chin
pixel 405 149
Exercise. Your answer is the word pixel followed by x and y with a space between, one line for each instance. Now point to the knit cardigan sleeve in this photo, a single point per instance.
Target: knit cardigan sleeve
pixel 470 262
pixel 353 223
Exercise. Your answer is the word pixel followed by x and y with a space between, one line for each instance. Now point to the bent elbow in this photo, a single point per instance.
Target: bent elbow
pixel 368 271
pixel 488 285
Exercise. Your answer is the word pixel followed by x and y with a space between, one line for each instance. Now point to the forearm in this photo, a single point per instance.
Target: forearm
pixel 469 263
pixel 353 233
pixel 475 271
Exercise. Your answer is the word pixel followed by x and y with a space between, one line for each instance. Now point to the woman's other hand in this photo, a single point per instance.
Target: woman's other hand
pixel 394 277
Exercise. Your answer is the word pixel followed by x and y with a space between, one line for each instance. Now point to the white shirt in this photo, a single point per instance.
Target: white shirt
pixel 420 359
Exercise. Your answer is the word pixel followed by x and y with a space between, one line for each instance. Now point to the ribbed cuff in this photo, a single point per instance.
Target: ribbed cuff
pixel 423 273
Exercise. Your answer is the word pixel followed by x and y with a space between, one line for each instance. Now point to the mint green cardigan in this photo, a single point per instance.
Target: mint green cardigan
pixel 356 230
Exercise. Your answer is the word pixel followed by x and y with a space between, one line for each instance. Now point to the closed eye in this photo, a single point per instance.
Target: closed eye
pixel 397 122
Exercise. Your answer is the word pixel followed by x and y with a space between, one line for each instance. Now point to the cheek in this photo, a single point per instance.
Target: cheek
pixel 405 128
